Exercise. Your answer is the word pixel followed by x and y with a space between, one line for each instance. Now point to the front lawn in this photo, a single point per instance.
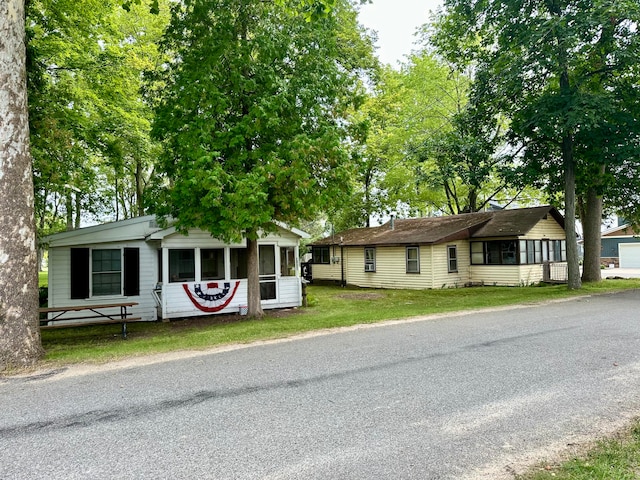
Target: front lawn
pixel 329 307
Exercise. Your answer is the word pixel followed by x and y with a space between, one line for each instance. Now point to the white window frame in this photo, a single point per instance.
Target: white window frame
pixel 454 249
pixel 91 273
pixel 370 259
pixel 409 261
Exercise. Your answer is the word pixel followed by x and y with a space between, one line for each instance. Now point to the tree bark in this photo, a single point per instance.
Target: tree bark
pixel 253 279
pixel 139 188
pixel 591 223
pixel 19 331
pixel 69 206
pixel 573 261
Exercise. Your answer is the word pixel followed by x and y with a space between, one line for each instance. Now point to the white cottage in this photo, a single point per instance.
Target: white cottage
pixel 169 275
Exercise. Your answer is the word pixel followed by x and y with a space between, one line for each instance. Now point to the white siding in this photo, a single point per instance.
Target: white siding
pixel 507 275
pixel 330 271
pixel 289 293
pixel 321 271
pixel 176 303
pixel 60 279
pixel 174 299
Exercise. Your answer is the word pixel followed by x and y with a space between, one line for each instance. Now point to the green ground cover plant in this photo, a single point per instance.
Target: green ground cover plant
pixel 616 458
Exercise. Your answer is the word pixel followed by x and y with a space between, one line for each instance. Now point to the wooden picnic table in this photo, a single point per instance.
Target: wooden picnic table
pixel 100 314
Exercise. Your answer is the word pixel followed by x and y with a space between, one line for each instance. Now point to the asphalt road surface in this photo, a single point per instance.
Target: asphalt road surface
pixel 454 397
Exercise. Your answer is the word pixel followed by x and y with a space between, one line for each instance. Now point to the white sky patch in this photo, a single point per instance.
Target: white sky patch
pixel 396 22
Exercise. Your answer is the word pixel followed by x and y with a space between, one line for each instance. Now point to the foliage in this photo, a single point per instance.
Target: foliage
pixel 405 111
pixel 89 128
pixel 545 60
pixel 247 121
pixel 252 113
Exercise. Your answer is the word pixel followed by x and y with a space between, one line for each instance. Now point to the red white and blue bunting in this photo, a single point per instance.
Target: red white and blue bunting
pixel 214 299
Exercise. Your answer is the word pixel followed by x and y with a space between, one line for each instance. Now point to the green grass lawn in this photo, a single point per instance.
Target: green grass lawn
pixel 43 278
pixel 612 459
pixel 329 307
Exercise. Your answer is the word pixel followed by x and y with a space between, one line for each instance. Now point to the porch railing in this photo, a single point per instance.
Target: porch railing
pixel 554 272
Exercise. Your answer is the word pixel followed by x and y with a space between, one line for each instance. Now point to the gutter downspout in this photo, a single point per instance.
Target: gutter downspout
pixel 342 279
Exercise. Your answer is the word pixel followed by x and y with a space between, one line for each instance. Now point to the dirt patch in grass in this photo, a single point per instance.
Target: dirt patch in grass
pixel 210 320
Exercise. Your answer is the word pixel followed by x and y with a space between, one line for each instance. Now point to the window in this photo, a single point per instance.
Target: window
pixel 540 251
pixel 369 259
pixel 531 251
pixel 492 250
pixel 413 259
pixel 452 256
pixel 101 272
pixel 320 255
pixel 523 252
pixel 477 253
pixel 182 265
pixel 496 252
pixel 238 259
pixel 287 261
pixel 212 264
pixel 537 244
pixel 106 272
pixel 561 251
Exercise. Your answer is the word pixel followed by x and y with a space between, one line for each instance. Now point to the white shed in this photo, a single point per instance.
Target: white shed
pixel 169 275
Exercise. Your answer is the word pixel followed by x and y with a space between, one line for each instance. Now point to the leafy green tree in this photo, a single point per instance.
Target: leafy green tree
pixel 89 126
pixel 406 109
pixel 252 113
pixel 535 53
pixel 430 96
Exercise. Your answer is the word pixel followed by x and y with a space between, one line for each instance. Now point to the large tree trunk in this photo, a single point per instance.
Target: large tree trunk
pixel 591 223
pixel 139 188
pixel 253 279
pixel 19 332
pixel 69 206
pixel 573 260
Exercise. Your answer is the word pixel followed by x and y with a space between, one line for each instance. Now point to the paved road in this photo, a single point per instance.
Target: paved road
pixel 467 396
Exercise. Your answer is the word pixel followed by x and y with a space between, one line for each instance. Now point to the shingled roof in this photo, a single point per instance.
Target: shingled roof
pixel 434 230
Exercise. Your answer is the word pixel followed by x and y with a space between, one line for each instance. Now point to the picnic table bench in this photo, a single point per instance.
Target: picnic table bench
pixel 89 314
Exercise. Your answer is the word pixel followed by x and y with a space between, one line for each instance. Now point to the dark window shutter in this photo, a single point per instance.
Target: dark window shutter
pixel 131 272
pixel 79 273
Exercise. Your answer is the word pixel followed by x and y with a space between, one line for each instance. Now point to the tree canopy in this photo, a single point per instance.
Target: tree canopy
pixel 252 113
pixel 89 126
pixel 543 59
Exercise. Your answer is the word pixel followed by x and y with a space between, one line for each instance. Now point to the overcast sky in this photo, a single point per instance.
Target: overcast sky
pixel 396 22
